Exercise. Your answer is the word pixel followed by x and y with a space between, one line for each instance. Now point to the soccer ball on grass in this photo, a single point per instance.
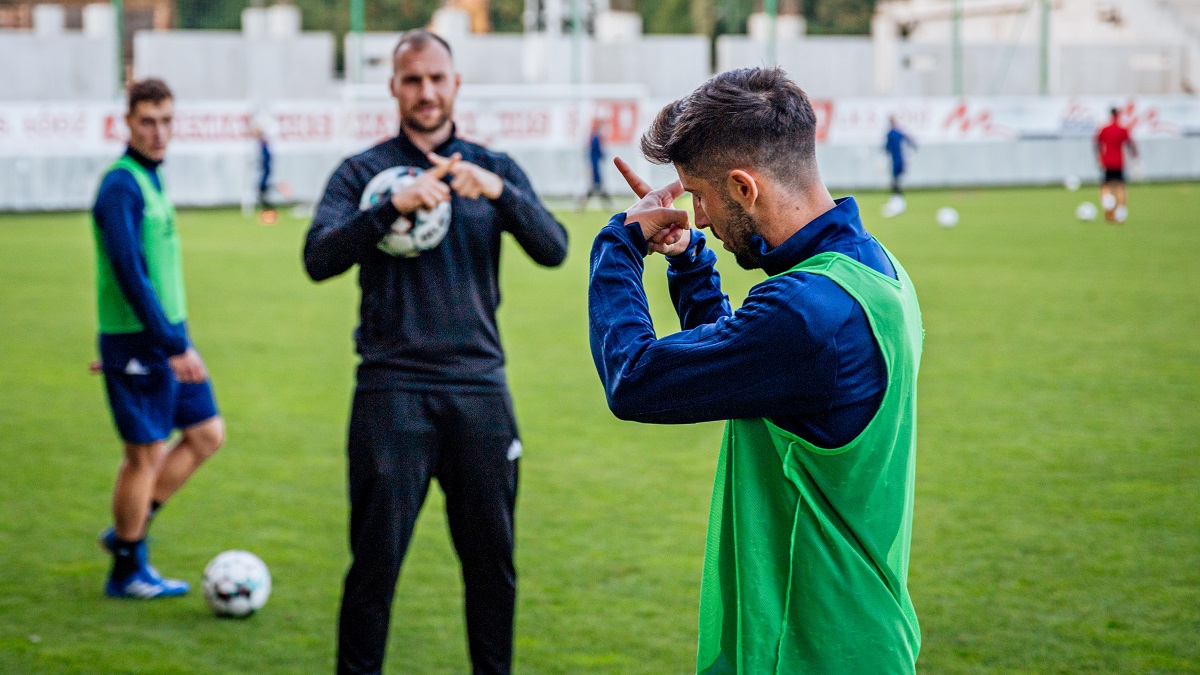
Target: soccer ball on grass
pixel 1086 211
pixel 947 217
pixel 236 584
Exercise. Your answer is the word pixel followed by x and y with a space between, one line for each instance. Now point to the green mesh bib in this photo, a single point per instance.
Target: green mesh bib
pixel 160 245
pixel 806 563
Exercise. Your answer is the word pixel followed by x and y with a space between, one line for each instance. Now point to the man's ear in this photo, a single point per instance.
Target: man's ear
pixel 743 188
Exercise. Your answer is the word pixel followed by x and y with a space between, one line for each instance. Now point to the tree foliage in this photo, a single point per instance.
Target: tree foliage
pixel 659 16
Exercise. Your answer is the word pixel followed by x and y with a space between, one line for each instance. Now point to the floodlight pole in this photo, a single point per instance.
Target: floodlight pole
pixel 772 21
pixel 956 47
pixel 1044 49
pixel 118 10
pixel 357 20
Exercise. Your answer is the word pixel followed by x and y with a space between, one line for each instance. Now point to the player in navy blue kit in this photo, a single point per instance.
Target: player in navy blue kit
pixel 432 398
pixel 894 146
pixel 155 380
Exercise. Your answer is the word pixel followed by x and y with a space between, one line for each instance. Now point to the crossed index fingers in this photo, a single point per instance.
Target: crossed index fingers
pixel 442 165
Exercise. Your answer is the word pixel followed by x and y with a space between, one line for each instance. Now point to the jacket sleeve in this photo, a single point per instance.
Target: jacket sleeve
pixel 118 214
pixel 761 361
pixel 531 224
pixel 695 285
pixel 340 234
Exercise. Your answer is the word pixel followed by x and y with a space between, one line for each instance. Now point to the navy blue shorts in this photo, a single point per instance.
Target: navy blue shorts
pixel 148 406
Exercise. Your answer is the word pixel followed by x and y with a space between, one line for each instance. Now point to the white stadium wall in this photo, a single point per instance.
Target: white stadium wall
pixel 668 66
pixel 824 66
pixel 64 67
pixel 548 60
pixel 228 65
pixel 51 155
pixel 490 59
pixel 1122 69
pixel 846 66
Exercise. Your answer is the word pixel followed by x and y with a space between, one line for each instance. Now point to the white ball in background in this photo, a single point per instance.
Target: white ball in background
pixel 1086 211
pixel 947 217
pixel 1120 213
pixel 894 206
pixel 1071 183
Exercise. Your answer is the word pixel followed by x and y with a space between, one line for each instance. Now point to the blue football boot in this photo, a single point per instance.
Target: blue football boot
pixel 144 582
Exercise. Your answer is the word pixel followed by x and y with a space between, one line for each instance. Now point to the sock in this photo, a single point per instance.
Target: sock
pixel 125 557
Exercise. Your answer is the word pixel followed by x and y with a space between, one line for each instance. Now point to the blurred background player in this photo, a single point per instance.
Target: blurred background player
pixel 432 396
pixel 1110 152
pixel 156 382
pixel 894 146
pixel 268 213
pixel 595 161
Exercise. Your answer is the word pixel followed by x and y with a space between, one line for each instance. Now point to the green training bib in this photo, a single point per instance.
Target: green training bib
pixel 160 246
pixel 806 563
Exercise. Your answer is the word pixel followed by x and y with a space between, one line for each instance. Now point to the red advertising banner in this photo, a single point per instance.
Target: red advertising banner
pixel 513 123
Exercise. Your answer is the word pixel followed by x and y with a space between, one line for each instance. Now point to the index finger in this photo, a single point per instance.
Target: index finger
pixel 442 165
pixel 640 187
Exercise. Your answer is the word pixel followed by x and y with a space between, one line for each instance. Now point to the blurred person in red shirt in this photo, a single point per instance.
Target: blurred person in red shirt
pixel 1110 150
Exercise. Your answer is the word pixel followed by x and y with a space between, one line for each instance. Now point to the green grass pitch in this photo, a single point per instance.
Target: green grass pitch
pixel 1058 490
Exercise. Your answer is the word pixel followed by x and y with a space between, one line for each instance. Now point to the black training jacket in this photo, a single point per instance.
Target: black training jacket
pixel 429 322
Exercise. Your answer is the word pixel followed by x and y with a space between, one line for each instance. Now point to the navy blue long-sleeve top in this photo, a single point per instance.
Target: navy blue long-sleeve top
pixel 429 322
pixel 264 164
pixel 894 145
pixel 118 216
pixel 799 350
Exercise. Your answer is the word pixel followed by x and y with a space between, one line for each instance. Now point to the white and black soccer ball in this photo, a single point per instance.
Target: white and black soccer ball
pixel 236 584
pixel 409 236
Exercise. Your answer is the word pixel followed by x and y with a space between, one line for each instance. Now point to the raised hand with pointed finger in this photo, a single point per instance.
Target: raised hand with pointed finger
pixel 666 229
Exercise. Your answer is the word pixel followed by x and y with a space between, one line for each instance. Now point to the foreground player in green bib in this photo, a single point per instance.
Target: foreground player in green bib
pixel 808 538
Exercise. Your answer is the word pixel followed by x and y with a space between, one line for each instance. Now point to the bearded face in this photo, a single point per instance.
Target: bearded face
pixel 425 85
pixel 737 233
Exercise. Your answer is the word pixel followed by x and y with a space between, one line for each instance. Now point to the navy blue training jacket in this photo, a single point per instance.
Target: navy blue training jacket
pixel 799 350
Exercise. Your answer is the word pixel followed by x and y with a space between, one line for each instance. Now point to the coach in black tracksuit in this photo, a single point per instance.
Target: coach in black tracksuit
pixel 432 399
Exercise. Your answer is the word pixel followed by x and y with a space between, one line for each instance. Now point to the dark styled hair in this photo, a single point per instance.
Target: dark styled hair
pixel 150 89
pixel 419 39
pixel 1115 112
pixel 751 117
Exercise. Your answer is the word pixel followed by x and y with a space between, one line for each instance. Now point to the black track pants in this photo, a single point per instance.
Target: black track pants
pixel 398 442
